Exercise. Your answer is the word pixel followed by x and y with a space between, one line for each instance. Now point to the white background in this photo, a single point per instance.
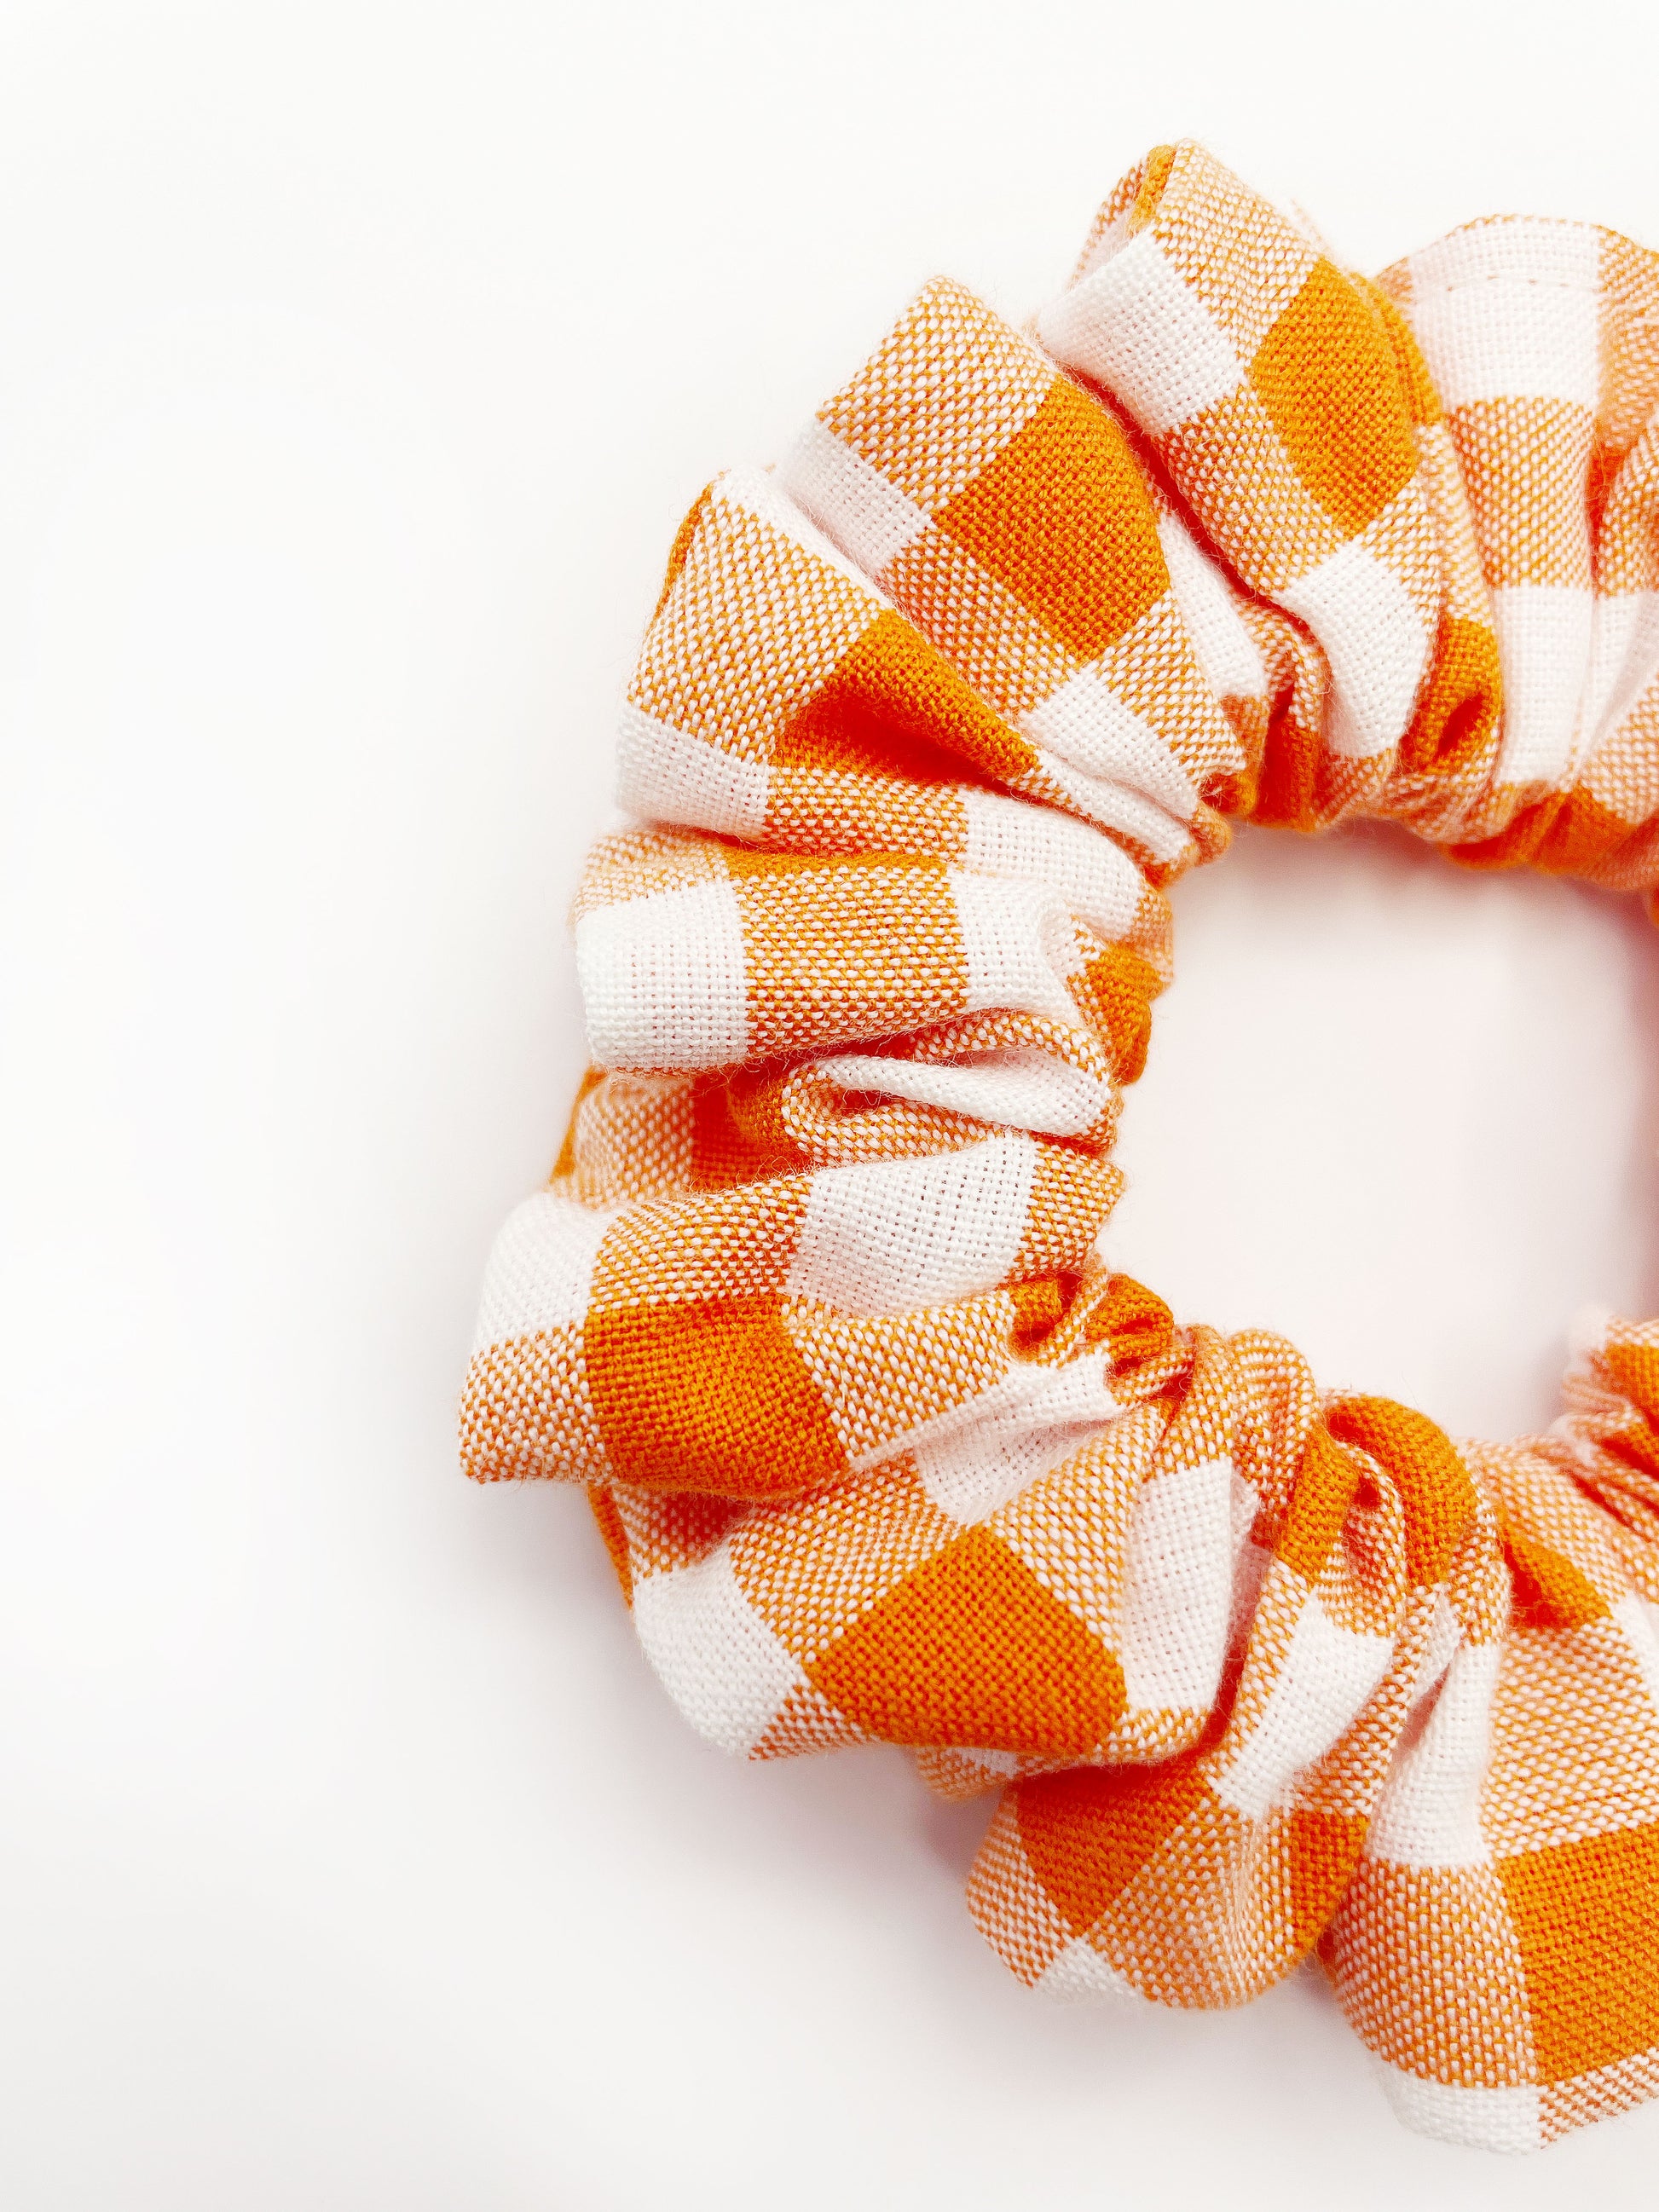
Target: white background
pixel 356 364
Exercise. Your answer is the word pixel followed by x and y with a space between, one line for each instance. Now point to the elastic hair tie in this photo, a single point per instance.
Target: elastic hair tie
pixel 926 718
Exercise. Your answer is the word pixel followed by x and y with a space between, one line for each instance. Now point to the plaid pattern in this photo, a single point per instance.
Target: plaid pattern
pixel 925 720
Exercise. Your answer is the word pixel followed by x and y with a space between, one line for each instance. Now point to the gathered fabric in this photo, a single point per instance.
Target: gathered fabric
pixel 927 718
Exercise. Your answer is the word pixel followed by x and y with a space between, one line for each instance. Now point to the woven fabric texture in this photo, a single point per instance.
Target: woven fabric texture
pixel 927 719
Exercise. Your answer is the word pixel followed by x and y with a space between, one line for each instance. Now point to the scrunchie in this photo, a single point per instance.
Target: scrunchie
pixel 926 718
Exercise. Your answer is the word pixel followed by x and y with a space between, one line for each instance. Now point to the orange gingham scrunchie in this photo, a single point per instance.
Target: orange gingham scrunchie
pixel 925 720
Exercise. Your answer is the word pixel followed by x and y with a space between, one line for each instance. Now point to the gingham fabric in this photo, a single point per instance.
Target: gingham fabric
pixel 926 718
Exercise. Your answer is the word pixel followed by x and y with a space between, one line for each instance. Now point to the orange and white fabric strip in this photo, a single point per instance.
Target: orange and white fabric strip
pixel 925 720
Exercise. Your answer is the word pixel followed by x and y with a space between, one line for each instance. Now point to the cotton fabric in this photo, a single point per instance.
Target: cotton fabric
pixel 926 721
